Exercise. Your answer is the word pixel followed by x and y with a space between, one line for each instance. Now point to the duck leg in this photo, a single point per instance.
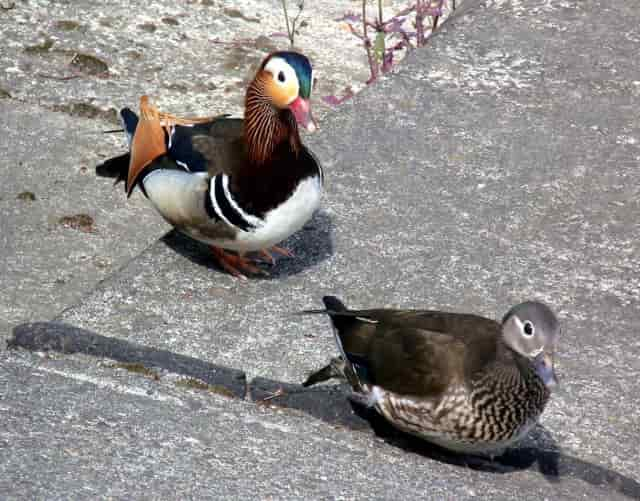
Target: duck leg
pixel 335 369
pixel 278 393
pixel 282 251
pixel 235 264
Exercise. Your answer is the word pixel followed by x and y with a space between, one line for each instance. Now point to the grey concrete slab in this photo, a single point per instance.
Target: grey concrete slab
pixel 74 427
pixel 91 58
pixel 48 261
pixel 84 60
pixel 499 164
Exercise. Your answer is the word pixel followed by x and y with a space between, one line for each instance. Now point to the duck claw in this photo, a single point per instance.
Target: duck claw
pixel 236 264
pixel 266 257
pixel 267 254
pixel 282 251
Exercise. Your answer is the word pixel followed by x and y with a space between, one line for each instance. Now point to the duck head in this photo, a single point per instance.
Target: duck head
pixel 531 329
pixel 287 79
pixel 277 101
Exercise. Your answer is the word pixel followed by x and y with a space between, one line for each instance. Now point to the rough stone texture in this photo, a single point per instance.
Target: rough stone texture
pixel 191 56
pixel 67 67
pixel 121 432
pixel 48 264
pixel 499 164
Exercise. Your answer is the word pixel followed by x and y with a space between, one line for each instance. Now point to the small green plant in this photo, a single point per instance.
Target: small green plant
pixel 391 35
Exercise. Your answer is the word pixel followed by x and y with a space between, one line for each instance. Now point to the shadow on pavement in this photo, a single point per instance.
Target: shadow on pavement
pixel 310 246
pixel 327 403
pixel 539 451
pixel 63 338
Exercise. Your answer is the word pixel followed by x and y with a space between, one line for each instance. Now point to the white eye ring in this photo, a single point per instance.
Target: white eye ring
pixel 528 329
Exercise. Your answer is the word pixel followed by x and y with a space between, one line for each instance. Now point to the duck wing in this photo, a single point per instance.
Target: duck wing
pixel 215 146
pixel 210 145
pixel 412 352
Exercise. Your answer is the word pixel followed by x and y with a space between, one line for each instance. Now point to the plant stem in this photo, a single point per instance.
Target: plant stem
pixel 436 18
pixel 294 23
pixel 286 20
pixel 419 24
pixel 373 66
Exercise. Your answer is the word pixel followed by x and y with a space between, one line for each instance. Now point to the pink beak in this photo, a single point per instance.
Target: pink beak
pixel 302 111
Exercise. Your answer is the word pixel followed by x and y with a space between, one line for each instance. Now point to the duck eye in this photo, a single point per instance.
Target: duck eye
pixel 527 328
pixel 281 76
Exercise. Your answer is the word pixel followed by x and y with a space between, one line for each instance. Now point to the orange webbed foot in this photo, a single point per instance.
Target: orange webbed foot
pixel 235 264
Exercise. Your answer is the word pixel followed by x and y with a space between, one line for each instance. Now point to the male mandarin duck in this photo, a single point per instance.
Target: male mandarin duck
pixel 239 185
pixel 463 382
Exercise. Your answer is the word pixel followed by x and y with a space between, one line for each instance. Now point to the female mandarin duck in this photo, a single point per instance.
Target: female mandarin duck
pixel 464 382
pixel 239 185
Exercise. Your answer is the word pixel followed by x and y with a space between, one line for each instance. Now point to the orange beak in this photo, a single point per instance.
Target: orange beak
pixel 302 111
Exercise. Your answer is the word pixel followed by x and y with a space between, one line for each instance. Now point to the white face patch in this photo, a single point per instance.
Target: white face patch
pixel 283 75
pixel 526 328
pixel 521 326
pixel 518 322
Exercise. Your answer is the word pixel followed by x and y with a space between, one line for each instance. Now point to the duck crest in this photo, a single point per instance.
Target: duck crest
pixel 266 128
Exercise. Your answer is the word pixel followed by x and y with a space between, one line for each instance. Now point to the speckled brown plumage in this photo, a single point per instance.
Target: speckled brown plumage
pixel 453 379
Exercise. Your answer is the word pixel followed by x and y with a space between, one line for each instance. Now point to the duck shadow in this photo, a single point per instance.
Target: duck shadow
pixel 67 339
pixel 310 245
pixel 327 403
pixel 539 451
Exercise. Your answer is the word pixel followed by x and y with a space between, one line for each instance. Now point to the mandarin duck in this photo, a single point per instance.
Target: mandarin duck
pixel 463 382
pixel 239 185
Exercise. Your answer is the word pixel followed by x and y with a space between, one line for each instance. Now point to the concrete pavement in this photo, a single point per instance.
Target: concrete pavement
pixel 500 163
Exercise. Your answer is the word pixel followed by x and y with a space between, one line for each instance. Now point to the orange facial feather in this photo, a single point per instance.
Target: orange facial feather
pixel 281 95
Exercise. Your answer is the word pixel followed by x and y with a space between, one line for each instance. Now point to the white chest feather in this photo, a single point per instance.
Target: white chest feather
pixel 284 220
pixel 177 195
pixel 180 198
